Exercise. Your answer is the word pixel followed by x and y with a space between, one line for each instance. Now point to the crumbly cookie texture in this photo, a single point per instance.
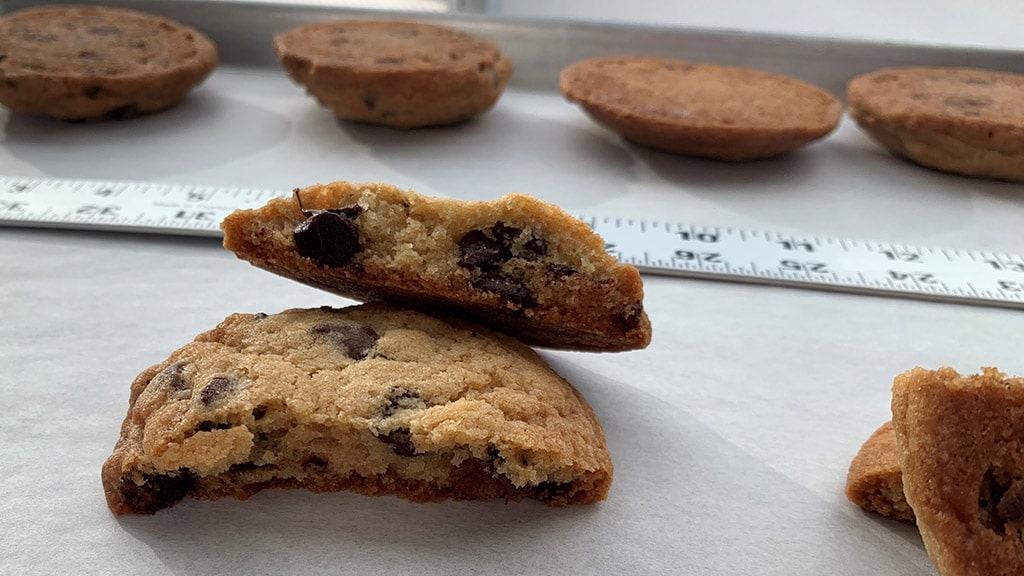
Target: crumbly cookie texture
pixel 874 481
pixel 372 399
pixel 960 440
pixel 82 63
pixel 706 110
pixel 516 264
pixel 396 74
pixel 960 120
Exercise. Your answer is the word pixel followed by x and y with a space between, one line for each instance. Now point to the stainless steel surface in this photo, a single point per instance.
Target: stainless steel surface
pixel 540 49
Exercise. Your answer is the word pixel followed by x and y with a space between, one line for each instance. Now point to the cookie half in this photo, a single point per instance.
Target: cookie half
pixel 875 481
pixel 960 120
pixel 706 110
pixel 372 399
pixel 397 74
pixel 516 264
pixel 80 63
pixel 960 441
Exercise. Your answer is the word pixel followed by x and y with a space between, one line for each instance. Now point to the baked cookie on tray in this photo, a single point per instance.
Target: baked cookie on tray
pixel 874 481
pixel 961 120
pixel 960 441
pixel 397 74
pixel 372 399
pixel 516 264
pixel 81 63
pixel 705 110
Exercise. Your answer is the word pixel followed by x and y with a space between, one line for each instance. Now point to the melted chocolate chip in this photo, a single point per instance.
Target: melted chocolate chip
pixel 3 57
pixel 355 338
pixel 536 247
pixel 259 316
pixel 505 234
pixel 208 425
pixel 92 92
pixel 547 491
pixel 259 412
pixel 400 441
pixel 328 237
pixel 509 290
pixel 217 387
pixel 314 461
pixel 630 317
pixel 157 491
pixel 561 270
pixel 174 377
pixel 400 399
pixel 477 250
pixel 1001 500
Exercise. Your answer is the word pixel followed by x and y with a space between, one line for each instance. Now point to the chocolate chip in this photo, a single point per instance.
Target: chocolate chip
pixel 477 250
pixel 400 441
pixel 173 377
pixel 157 491
pixel 561 270
pixel 355 338
pixel 536 246
pixel 259 412
pixel 3 57
pixel 208 425
pixel 215 389
pixel 1000 500
pixel 505 234
pixel 548 491
pixel 259 316
pixel 92 92
pixel 314 461
pixel 630 317
pixel 509 290
pixel 400 399
pixel 124 112
pixel 330 238
pixel 369 102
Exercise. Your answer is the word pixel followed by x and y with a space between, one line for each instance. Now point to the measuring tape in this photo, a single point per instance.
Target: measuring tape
pixel 664 248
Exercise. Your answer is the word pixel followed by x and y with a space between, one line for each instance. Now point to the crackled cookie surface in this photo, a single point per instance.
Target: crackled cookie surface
pixel 962 120
pixel 79 62
pixel 371 398
pixel 397 74
pixel 960 441
pixel 516 264
pixel 874 481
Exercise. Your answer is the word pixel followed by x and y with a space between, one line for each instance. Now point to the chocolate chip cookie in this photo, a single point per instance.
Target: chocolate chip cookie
pixel 960 441
pixel 372 399
pixel 80 63
pixel 397 74
pixel 516 264
pixel 961 120
pixel 706 110
pixel 875 482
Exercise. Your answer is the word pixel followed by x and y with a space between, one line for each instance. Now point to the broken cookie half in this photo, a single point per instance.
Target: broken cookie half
pixel 371 399
pixel 960 443
pixel 515 264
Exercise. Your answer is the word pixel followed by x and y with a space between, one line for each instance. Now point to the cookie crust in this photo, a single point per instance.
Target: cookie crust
pixel 960 120
pixel 705 110
pixel 397 74
pixel 875 481
pixel 81 63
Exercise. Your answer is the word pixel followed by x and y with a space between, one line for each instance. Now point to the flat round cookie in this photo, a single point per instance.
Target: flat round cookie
pixel 705 110
pixel 397 74
pixel 372 399
pixel 516 264
pixel 961 120
pixel 874 481
pixel 80 63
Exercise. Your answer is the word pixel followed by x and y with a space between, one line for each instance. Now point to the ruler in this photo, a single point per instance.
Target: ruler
pixel 654 247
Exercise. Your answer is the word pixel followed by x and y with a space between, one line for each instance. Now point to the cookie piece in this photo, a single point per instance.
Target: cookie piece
pixel 959 120
pixel 371 398
pixel 960 441
pixel 397 74
pixel 516 264
pixel 706 110
pixel 875 482
pixel 80 63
